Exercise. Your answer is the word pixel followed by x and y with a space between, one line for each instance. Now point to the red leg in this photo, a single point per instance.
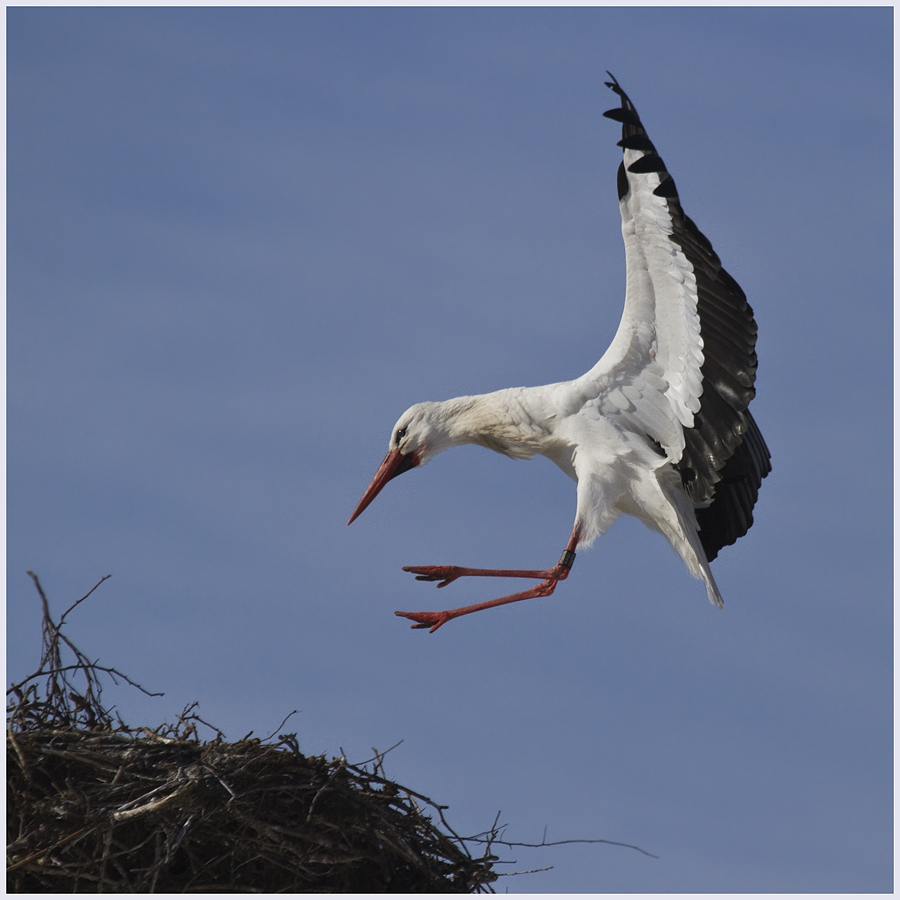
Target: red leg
pixel 447 574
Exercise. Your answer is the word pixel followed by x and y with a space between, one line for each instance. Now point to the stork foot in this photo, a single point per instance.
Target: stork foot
pixel 444 574
pixel 430 620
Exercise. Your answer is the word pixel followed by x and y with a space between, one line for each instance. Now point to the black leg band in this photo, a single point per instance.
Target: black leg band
pixel 567 559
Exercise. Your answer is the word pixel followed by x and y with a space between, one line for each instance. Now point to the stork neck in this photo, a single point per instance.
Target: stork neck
pixel 503 421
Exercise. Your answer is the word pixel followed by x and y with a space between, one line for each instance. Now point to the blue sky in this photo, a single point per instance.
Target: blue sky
pixel 242 242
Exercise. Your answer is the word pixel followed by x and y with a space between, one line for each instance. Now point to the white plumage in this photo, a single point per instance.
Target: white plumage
pixel 658 429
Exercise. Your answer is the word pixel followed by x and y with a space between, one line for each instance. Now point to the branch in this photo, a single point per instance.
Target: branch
pixel 493 836
pixel 74 668
pixel 570 841
pixel 62 618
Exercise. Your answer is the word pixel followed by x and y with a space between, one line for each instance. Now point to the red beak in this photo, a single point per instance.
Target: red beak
pixel 394 464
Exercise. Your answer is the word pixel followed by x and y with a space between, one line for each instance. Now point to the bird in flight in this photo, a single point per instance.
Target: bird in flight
pixel 658 429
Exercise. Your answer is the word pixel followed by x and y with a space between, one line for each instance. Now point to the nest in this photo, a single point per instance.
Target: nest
pixel 118 812
pixel 95 805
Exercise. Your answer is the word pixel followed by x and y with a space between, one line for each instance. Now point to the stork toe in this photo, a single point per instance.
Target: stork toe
pixel 430 620
pixel 444 574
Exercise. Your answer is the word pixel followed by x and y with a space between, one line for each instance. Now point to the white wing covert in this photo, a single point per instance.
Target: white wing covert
pixel 682 365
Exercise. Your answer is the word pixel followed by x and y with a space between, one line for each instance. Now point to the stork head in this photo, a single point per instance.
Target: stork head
pixel 420 433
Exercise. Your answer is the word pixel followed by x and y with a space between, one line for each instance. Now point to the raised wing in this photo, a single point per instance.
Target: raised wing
pixel 683 362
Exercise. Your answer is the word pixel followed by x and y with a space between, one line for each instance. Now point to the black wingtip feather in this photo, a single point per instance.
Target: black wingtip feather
pixel 667 189
pixel 649 163
pixel 623 115
pixel 730 515
pixel 637 142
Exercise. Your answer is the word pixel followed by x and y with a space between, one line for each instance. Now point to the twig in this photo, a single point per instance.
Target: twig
pixel 188 715
pixel 46 850
pixel 525 872
pixel 154 805
pixel 78 666
pixel 492 836
pixel 269 738
pixel 62 618
pixel 574 841
pixel 378 757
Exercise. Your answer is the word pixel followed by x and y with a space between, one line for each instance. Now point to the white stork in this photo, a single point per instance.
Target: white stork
pixel 659 428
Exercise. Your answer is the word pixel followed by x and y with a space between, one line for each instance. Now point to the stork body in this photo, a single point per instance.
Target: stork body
pixel 658 429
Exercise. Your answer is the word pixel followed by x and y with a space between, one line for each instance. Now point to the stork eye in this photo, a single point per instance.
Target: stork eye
pixel 401 433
